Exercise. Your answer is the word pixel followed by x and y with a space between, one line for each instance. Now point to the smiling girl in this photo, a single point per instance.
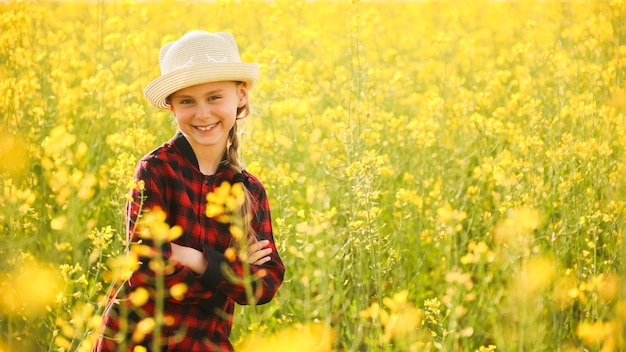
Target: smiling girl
pixel 205 85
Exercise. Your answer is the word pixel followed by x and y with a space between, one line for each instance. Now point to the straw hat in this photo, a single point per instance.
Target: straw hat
pixel 195 58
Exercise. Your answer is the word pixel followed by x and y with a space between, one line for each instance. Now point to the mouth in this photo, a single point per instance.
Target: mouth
pixel 206 128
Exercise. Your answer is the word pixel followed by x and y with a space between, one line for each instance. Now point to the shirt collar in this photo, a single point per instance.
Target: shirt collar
pixel 182 144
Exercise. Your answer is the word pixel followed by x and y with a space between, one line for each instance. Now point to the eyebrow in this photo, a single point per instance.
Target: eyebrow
pixel 211 92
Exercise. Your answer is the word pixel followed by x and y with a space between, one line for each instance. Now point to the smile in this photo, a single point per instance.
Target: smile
pixel 206 128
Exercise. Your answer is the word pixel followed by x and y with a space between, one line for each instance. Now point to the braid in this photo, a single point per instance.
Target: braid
pixel 233 140
pixel 232 150
pixel 232 155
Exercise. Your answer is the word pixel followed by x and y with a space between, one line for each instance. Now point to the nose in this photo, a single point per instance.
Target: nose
pixel 203 110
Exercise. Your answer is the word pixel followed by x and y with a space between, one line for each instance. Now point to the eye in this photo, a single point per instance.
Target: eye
pixel 185 101
pixel 214 97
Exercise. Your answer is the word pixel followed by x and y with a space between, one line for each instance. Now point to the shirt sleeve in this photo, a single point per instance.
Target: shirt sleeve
pixel 149 197
pixel 265 279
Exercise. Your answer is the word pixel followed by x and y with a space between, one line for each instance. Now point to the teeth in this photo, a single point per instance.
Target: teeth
pixel 205 128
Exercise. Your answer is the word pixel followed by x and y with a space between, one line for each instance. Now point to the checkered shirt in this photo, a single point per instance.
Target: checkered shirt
pixel 202 319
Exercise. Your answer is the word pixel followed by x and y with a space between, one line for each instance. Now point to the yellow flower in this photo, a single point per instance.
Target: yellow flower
pixel 178 291
pixel 372 312
pixel 142 250
pixel 238 194
pixel 144 327
pixel 231 254
pixel 175 232
pixel 123 266
pixel 401 319
pixel 236 231
pixel 139 296
pixel 214 210
pixel 58 223
pixel 153 224
pixel 62 342
pixel 86 189
pixel 224 201
pixel 594 333
pixel 476 253
pixel 536 275
pixel 565 291
pixel 64 247
pixel 311 337
pixel 13 155
pixel 403 323
pixel 608 286
pixel 34 285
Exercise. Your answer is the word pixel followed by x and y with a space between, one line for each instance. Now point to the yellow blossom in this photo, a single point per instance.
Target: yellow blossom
pixel 62 342
pixel 139 296
pixel 178 291
pixel 58 223
pixel 608 286
pixel 144 327
pixel 400 318
pixel 236 231
pixel 230 254
pixel 313 337
pixel 594 333
pixel 224 201
pixel 123 266
pixel 33 287
pixel 535 275
pixel 565 291
pixel 13 155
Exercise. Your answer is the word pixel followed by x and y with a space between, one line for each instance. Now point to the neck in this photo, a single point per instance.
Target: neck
pixel 209 158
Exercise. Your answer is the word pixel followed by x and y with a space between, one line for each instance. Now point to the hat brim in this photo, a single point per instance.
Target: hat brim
pixel 160 88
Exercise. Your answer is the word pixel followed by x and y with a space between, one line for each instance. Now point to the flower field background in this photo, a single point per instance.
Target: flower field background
pixel 443 175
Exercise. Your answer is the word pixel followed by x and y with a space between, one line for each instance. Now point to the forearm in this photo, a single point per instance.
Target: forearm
pixel 189 257
pixel 229 277
pixel 173 274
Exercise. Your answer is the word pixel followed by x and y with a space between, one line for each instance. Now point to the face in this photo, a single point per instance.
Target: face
pixel 205 113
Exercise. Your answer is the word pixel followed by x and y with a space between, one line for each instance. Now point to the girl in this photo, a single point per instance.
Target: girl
pixel 205 85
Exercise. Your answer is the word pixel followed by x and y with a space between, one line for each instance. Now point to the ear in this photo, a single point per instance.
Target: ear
pixel 242 92
pixel 172 110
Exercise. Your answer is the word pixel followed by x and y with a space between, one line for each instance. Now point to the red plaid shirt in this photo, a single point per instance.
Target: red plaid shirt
pixel 202 320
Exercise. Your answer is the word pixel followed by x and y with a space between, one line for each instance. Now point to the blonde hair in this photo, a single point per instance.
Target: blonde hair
pixel 232 158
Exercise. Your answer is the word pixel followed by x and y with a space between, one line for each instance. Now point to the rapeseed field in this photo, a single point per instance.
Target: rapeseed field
pixel 443 175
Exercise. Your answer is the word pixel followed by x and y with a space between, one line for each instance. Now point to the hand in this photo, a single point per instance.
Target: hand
pixel 258 252
pixel 189 257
